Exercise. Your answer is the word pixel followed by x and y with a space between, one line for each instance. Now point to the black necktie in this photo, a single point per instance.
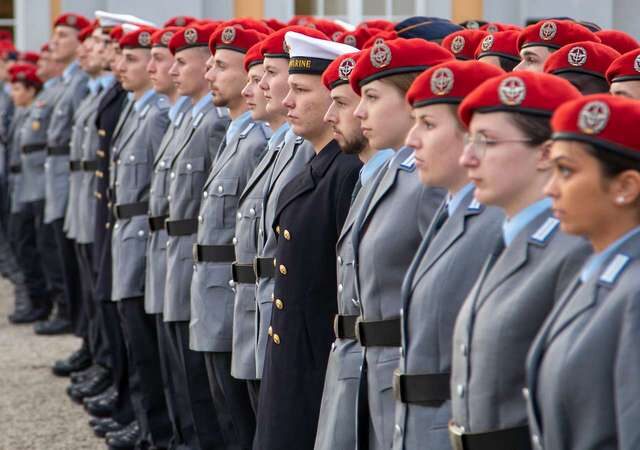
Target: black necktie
pixel 356 189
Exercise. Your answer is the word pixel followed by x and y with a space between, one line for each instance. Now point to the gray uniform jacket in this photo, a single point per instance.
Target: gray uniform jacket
pixel 292 157
pixel 500 319
pixel 131 162
pixel 438 281
pixel 16 180
pixel 248 221
pixel 212 294
pixel 58 140
pixel 583 370
pixel 34 142
pixel 6 116
pixel 386 234
pixel 156 275
pixel 337 421
pixel 189 169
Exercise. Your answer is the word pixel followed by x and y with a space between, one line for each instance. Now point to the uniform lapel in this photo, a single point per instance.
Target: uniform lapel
pixel 284 156
pixel 258 173
pixel 224 157
pixel 122 120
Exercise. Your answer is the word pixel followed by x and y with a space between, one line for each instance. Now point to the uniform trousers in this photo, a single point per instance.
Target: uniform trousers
pixel 69 264
pixel 254 394
pixel 168 380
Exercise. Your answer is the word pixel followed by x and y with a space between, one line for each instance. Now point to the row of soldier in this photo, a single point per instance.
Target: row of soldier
pixel 195 198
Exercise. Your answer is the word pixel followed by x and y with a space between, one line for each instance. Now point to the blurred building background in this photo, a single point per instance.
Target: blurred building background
pixel 30 20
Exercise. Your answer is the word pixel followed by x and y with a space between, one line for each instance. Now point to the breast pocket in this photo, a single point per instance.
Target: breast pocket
pixel 224 193
pixel 160 180
pixel 134 172
pixel 251 214
pixel 191 174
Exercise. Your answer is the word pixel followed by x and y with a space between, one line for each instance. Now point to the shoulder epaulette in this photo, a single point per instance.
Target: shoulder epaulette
pixel 222 112
pixel 475 205
pixel 409 164
pixel 546 230
pixel 178 121
pixel 197 120
pixel 144 111
pixel 244 133
pixel 614 269
pixel 299 140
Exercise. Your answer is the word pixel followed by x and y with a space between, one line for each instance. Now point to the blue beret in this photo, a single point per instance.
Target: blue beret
pixel 427 28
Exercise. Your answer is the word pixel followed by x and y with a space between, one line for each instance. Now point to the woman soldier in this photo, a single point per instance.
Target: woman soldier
pixel 583 370
pixel 449 258
pixel 507 157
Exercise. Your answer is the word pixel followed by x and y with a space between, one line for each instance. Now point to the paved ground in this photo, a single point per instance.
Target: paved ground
pixel 35 412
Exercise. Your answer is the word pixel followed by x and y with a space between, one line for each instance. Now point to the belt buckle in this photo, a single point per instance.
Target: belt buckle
pixel 456 436
pixel 234 271
pixel 336 326
pixel 194 252
pixel 397 385
pixel 116 214
pixel 256 267
pixel 359 332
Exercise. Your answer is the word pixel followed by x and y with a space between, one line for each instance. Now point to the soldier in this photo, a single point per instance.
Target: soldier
pixel 587 347
pixel 309 216
pixel 507 159
pixel 437 283
pixel 623 75
pixel 618 40
pixel 538 41
pixel 294 153
pixel 463 44
pixel 337 423
pixel 383 248
pixel 130 171
pixel 500 49
pixel 188 169
pixel 212 286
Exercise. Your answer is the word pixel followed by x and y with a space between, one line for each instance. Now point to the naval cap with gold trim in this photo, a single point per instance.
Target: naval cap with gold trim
pixel 523 92
pixel 618 40
pixel 140 38
pixel 339 71
pixel 191 36
pixel 161 37
pixel 232 37
pixel 274 45
pixel 398 56
pixel 602 120
pixel 503 44
pixel 625 67
pixel 71 20
pixel 449 82
pixel 463 43
pixel 554 34
pixel 310 55
pixel 590 58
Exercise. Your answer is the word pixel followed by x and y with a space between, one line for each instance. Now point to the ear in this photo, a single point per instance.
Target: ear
pixel 544 156
pixel 625 188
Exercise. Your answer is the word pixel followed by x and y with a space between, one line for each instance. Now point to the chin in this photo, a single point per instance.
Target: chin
pixel 571 228
pixel 484 196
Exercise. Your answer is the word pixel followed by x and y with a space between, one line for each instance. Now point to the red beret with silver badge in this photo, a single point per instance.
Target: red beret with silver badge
pixel 494 27
pixel 618 40
pixel 398 56
pixel 274 45
pixel 24 73
pixel 339 71
pixel 463 43
pixel 116 33
pixel 385 35
pixel 522 92
pixel 249 24
pixel 179 21
pixel 140 38
pixel 231 37
pixel 191 36
pixel 161 37
pixel 586 57
pixel 253 56
pixel 625 67
pixel 602 120
pixel 503 44
pixel 358 37
pixel 554 34
pixel 71 20
pixel 328 27
pixel 449 82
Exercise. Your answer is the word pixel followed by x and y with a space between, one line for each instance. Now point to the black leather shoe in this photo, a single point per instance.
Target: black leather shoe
pixel 83 375
pixel 77 361
pixel 91 387
pixel 52 327
pixel 124 439
pixel 31 315
pixel 106 425
pixel 101 405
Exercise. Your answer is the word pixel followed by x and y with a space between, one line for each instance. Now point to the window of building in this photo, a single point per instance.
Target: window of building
pixel 6 16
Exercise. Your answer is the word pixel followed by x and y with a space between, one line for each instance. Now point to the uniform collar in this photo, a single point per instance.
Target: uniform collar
pixel 371 167
pixel 107 80
pixel 278 136
pixel 453 201
pixel 511 227
pixel 94 85
pixel 6 87
pixel 177 107
pixel 320 163
pixel 596 261
pixel 236 125
pixel 144 100
pixel 200 104
pixel 70 71
pixel 51 82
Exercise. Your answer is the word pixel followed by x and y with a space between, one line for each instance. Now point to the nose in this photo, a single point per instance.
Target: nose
pixel 360 112
pixel 288 101
pixel 330 116
pixel 412 139
pixel 469 158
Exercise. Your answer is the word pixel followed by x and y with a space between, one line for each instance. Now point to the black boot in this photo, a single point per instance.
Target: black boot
pixel 77 361
pixel 124 439
pixel 101 405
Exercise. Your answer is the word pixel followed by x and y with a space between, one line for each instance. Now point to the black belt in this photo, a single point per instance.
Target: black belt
pixel 420 388
pixel 157 223
pixel 263 267
pixel 182 227
pixel 214 253
pixel 15 169
pixel 508 439
pixel 58 151
pixel 75 166
pixel 129 210
pixel 89 166
pixel 345 326
pixel 379 333
pixel 32 148
pixel 243 273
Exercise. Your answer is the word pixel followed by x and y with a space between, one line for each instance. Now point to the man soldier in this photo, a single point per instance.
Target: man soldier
pixel 310 213
pixel 212 286
pixel 156 274
pixel 130 172
pixel 623 75
pixel 188 169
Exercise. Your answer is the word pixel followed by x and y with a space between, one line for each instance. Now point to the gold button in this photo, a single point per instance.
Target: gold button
pixel 287 235
pixel 270 331
pixel 276 339
pixel 279 304
pixel 274 262
pixel 102 132
pixel 278 229
pixel 283 269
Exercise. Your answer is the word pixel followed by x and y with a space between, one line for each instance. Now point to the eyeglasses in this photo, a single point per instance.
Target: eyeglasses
pixel 480 143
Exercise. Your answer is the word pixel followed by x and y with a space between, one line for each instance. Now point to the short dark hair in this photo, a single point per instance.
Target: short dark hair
pixel 508 64
pixel 612 163
pixel 537 128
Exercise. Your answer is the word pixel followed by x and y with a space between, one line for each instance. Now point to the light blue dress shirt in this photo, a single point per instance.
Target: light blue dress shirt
pixel 177 106
pixel 453 201
pixel 377 160
pixel 595 262
pixel 237 124
pixel 511 227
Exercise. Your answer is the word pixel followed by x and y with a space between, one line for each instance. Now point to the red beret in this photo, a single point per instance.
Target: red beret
pixel 618 40
pixel 385 35
pixel 340 69
pixel 463 43
pixel 494 27
pixel 87 31
pixel 274 46
pixel 191 36
pixel 161 37
pixel 394 57
pixel 71 20
pixel 380 24
pixel 587 57
pixel 625 67
pixel 140 38
pixel 602 120
pixel 253 56
pixel 116 33
pixel 25 73
pixel 449 82
pixel 6 47
pixel 29 57
pixel 300 19
pixel 554 34
pixel 5 35
pixel 248 24
pixel 179 21
pixel 328 27
pixel 274 24
pixel 502 43
pixel 523 92
pixel 358 37
pixel 230 37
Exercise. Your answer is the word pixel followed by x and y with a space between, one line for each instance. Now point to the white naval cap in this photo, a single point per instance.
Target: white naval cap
pixel 310 55
pixel 110 20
